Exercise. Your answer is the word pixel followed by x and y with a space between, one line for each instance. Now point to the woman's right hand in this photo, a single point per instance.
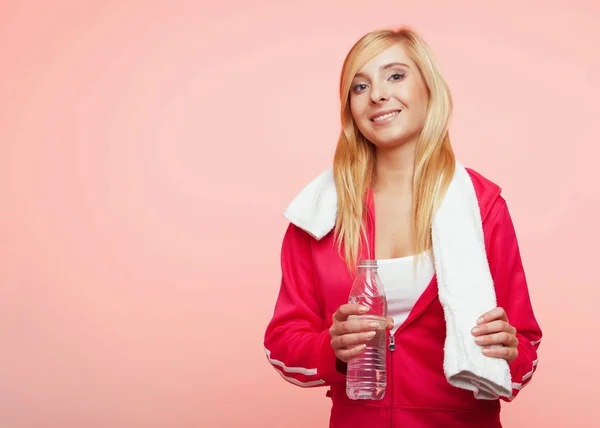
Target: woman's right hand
pixel 349 337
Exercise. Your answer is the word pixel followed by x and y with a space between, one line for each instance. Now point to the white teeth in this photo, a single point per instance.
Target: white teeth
pixel 385 116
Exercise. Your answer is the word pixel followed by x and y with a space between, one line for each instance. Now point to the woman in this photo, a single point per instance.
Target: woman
pixel 392 154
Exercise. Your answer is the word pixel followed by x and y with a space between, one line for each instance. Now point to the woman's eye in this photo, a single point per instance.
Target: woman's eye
pixel 359 87
pixel 397 76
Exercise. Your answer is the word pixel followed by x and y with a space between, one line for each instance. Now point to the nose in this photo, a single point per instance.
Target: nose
pixel 379 94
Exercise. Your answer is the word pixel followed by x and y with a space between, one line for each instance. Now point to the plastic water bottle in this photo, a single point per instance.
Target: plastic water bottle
pixel 366 373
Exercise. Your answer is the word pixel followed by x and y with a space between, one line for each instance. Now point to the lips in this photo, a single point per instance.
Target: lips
pixel 382 115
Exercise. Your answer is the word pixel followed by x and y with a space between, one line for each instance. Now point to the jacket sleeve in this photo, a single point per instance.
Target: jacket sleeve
pixel 297 340
pixel 512 294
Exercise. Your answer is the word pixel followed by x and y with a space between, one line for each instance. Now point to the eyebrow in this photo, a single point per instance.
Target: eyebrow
pixel 385 67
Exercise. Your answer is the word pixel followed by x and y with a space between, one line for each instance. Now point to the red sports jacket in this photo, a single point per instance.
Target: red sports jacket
pixel 315 282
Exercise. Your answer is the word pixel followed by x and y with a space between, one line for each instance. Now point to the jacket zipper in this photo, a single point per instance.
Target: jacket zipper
pixel 390 382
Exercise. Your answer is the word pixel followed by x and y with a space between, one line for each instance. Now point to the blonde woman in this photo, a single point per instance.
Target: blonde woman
pixel 392 166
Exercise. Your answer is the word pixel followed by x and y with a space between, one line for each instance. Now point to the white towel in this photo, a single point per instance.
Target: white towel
pixel 466 290
pixel 314 209
pixel 465 285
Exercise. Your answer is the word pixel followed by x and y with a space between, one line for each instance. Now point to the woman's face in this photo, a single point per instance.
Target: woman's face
pixel 388 99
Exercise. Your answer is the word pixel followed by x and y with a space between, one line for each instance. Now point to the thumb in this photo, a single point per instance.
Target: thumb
pixel 390 323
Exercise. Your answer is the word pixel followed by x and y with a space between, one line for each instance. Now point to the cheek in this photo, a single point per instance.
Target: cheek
pixel 357 110
pixel 423 110
pixel 419 100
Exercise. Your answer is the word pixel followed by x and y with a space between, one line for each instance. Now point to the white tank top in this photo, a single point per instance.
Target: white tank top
pixel 403 286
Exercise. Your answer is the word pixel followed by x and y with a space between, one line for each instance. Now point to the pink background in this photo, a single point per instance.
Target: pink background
pixel 148 149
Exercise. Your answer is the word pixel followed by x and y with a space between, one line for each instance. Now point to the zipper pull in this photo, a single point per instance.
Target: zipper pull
pixel 392 344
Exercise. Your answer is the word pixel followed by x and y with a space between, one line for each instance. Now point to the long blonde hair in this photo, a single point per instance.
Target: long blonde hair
pixel 354 159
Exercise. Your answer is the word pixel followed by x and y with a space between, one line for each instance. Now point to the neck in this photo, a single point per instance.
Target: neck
pixel 394 168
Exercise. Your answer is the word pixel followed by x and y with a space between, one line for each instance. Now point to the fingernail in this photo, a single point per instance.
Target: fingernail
pixel 479 339
pixel 363 309
pixel 480 320
pixel 486 350
pixel 475 330
pixel 370 335
pixel 373 325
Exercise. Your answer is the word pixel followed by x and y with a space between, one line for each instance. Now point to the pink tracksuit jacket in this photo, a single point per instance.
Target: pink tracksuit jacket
pixel 315 282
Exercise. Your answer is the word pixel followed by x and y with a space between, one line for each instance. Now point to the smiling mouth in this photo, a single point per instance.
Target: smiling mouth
pixel 386 116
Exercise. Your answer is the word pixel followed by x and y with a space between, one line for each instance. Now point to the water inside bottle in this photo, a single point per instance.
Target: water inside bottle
pixel 366 374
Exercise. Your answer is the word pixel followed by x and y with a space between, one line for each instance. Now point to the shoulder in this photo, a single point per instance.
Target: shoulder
pixel 487 191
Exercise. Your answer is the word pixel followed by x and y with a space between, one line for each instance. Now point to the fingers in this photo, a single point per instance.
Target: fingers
pixel 509 354
pixel 353 326
pixel 493 327
pixel 390 323
pixel 349 336
pixel 348 309
pixel 347 354
pixel 496 335
pixel 348 341
pixel 347 346
pixel 342 325
pixel 494 314
pixel 502 338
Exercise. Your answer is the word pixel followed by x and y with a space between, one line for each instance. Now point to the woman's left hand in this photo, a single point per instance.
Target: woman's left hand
pixel 493 329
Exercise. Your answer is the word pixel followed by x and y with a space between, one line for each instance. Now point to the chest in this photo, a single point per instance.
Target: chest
pixel 333 282
pixel 393 226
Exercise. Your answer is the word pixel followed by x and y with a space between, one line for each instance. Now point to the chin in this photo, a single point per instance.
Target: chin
pixel 388 141
pixel 393 138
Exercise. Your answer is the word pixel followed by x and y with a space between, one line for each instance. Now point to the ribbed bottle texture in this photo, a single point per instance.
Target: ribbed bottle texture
pixel 366 374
